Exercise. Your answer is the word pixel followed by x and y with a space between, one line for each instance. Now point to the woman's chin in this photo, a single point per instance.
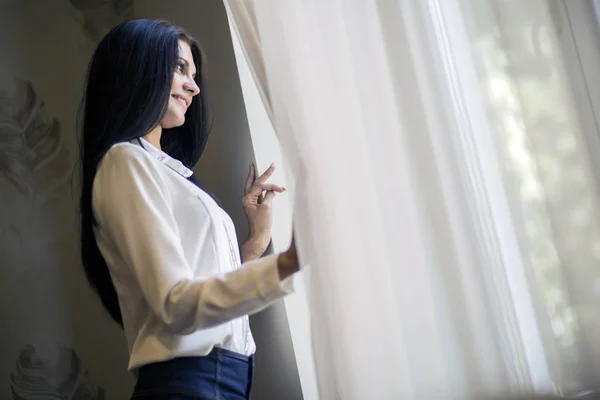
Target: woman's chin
pixel 173 122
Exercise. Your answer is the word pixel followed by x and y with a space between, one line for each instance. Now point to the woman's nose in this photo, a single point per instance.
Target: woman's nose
pixel 191 86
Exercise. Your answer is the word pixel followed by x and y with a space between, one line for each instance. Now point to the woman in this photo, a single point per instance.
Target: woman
pixel 161 254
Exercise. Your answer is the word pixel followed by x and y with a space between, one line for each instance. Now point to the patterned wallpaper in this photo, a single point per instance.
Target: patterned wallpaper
pixel 58 343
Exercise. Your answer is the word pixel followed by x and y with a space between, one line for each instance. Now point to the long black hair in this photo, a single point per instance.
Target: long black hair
pixel 126 95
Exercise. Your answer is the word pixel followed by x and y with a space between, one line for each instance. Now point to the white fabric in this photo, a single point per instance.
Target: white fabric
pixel 173 258
pixel 529 74
pixel 424 280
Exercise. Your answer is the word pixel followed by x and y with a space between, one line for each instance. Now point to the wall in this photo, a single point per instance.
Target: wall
pixel 59 341
pixel 56 339
pixel 267 150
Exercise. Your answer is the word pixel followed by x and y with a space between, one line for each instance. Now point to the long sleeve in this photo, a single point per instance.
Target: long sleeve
pixel 134 209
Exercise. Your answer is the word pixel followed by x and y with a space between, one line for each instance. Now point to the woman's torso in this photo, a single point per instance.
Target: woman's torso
pixel 210 247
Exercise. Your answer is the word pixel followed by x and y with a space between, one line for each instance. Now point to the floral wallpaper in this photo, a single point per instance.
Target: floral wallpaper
pixel 46 47
pixel 60 379
pixel 33 159
pixel 98 16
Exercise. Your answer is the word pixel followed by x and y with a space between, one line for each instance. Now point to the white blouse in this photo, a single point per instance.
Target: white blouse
pixel 173 257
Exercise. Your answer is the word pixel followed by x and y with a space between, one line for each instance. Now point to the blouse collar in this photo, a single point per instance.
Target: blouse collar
pixel 163 157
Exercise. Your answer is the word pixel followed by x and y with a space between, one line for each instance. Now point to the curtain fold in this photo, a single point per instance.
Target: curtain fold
pixel 527 81
pixel 444 199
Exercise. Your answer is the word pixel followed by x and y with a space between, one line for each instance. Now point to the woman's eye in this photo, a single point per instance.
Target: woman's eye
pixel 180 68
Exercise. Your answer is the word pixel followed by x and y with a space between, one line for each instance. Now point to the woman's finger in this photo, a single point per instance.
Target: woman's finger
pixel 268 199
pixel 250 180
pixel 257 188
pixel 263 178
pixel 271 186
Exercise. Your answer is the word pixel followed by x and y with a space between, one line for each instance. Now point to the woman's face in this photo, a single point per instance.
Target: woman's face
pixel 183 89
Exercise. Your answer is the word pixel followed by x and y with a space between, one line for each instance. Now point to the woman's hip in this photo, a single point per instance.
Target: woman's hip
pixel 221 374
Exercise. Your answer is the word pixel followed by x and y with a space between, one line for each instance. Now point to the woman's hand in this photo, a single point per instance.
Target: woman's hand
pixel 287 262
pixel 257 203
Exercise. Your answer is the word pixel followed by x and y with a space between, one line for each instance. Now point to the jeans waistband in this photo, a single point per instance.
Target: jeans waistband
pixel 229 353
pixel 219 373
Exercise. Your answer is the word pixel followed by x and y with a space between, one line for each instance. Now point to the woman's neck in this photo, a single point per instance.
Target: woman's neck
pixel 153 137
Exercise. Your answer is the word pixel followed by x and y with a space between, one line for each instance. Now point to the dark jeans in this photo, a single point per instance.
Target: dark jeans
pixel 221 375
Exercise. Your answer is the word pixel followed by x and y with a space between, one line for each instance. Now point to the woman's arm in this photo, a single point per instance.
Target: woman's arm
pixel 252 249
pixel 287 262
pixel 133 207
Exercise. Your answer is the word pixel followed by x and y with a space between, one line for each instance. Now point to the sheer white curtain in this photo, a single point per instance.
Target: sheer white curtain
pixel 445 196
pixel 547 156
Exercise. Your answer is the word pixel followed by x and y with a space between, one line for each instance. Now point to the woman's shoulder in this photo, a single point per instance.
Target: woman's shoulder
pixel 126 154
pixel 126 150
pixel 127 162
pixel 126 165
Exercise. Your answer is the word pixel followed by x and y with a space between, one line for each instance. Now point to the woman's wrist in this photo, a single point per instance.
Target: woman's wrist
pixel 254 247
pixel 255 234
